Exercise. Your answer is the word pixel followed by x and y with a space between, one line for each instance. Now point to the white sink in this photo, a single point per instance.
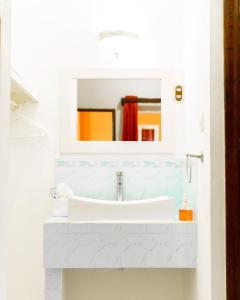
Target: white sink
pixel 91 210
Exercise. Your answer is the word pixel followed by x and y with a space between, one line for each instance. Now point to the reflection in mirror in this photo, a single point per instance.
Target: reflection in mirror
pixel 96 124
pixel 119 109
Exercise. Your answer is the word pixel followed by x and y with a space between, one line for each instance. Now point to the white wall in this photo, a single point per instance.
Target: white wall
pixel 197 79
pixel 151 284
pixel 204 113
pixel 4 127
pixel 31 164
pixel 49 35
pixel 65 33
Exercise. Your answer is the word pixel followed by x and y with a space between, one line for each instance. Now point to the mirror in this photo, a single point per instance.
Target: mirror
pixel 119 110
pixel 109 111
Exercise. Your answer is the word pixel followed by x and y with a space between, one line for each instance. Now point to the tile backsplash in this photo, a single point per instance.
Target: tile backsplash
pixel 142 178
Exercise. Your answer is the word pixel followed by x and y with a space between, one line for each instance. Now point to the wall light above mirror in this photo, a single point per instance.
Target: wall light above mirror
pixel 117 111
pixel 118 40
pixel 117 33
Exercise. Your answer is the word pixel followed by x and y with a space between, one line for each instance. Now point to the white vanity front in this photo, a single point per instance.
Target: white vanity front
pixel 109 244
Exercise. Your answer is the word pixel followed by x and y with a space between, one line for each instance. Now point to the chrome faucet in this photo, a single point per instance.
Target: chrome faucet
pixel 119 186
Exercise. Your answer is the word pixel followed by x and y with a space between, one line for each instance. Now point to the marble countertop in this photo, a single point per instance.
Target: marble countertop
pixel 65 220
pixel 119 244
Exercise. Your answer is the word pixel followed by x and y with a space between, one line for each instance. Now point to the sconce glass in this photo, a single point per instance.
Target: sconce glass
pixel 117 41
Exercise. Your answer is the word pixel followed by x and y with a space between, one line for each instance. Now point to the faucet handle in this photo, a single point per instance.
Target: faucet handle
pixel 120 173
pixel 53 192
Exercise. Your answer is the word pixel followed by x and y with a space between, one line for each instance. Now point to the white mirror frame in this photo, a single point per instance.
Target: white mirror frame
pixel 68 95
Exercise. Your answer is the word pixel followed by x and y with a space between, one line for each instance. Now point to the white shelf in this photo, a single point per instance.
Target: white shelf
pixel 20 91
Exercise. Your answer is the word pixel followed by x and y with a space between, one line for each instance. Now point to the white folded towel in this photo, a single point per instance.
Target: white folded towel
pixel 60 194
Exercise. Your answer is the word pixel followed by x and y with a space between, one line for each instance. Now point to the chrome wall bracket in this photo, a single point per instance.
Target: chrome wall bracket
pixel 189 163
pixel 199 156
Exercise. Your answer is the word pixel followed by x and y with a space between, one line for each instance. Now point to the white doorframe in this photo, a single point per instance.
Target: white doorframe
pixel 4 129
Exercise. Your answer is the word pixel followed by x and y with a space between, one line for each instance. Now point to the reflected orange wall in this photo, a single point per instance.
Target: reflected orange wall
pixel 94 126
pixel 150 119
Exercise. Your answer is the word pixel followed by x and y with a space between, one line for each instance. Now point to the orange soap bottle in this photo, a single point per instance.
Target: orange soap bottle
pixel 185 214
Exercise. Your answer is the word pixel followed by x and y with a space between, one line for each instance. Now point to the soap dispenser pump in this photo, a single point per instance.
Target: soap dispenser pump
pixel 185 214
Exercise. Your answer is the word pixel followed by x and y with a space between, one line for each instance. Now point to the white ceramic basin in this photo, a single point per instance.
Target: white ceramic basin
pixel 87 209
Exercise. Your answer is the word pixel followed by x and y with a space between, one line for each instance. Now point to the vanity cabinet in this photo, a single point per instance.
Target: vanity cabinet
pixel 69 245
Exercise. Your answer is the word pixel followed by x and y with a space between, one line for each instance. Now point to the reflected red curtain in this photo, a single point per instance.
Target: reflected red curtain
pixel 130 119
pixel 148 135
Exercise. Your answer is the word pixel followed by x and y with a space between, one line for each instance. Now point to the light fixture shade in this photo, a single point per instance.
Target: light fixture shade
pixel 117 33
